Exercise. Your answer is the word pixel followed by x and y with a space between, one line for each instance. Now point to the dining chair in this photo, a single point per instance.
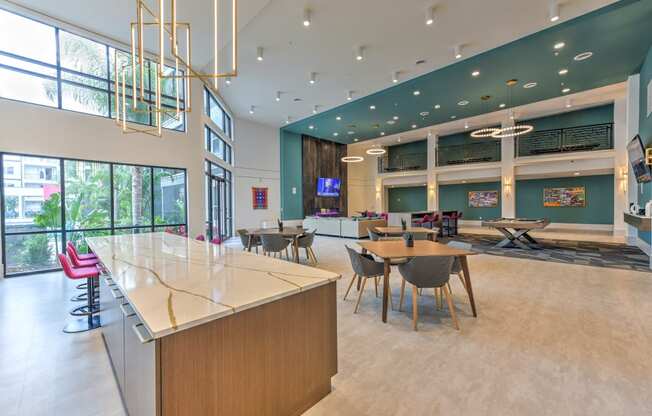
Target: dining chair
pixel 457 265
pixel 275 244
pixel 364 267
pixel 244 239
pixel 373 235
pixel 419 236
pixel 429 272
pixel 305 241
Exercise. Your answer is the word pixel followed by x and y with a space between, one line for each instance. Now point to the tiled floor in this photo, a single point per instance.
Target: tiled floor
pixel 550 338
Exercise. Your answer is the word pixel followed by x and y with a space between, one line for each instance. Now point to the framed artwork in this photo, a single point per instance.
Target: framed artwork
pixel 574 197
pixel 483 199
pixel 259 198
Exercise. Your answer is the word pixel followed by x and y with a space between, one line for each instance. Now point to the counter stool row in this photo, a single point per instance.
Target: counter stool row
pixel 78 266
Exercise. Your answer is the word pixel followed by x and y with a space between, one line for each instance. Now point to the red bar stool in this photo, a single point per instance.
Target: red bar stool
pixel 79 256
pixel 91 310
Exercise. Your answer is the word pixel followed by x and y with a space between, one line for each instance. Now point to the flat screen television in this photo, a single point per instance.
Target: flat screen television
pixel 636 152
pixel 328 187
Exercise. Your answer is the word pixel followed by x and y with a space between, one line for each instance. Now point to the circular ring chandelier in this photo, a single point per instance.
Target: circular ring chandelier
pixel 513 131
pixel 352 159
pixel 486 132
pixel 376 151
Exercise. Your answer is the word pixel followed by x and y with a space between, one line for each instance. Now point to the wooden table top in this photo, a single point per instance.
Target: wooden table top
pixel 399 230
pixel 287 231
pixel 389 249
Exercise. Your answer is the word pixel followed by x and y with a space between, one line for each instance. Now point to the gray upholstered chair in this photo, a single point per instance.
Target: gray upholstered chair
pixel 457 265
pixel 244 239
pixel 373 235
pixel 419 236
pixel 364 267
pixel 429 272
pixel 275 244
pixel 305 242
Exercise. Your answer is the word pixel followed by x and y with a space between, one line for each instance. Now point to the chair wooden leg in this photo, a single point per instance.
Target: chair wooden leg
pixel 287 254
pixel 400 299
pixel 376 285
pixel 364 280
pixel 389 296
pixel 312 253
pixel 461 276
pixel 415 307
pixel 451 307
pixel 438 298
pixel 350 284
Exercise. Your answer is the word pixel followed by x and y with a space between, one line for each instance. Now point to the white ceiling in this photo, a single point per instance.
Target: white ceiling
pixel 392 32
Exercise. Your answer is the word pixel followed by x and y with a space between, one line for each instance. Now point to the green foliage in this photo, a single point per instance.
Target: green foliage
pixel 36 251
pixel 50 216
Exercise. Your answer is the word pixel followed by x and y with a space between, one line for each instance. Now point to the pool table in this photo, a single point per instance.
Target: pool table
pixel 516 231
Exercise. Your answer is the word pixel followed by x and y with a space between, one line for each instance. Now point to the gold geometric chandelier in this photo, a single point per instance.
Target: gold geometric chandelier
pixel 183 72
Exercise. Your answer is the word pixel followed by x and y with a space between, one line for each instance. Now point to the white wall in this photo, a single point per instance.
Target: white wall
pixel 257 164
pixel 44 131
pixel 361 183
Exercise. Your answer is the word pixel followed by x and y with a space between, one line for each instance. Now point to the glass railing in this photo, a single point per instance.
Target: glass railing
pixel 402 163
pixel 460 154
pixel 573 139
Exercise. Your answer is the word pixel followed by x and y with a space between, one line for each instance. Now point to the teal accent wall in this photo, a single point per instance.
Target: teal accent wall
pixel 599 207
pixel 291 175
pixel 596 115
pixel 645 130
pixel 415 152
pixel 456 198
pixel 407 199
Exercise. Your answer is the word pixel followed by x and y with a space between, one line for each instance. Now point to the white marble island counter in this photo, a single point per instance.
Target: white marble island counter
pixel 174 283
pixel 217 320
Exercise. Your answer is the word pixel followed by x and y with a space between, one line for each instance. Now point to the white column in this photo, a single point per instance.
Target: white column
pixel 379 195
pixel 433 188
pixel 620 137
pixel 632 123
pixel 508 197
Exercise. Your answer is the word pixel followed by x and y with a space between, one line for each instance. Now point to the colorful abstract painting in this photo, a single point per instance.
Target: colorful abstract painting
pixel 565 197
pixel 259 197
pixel 483 199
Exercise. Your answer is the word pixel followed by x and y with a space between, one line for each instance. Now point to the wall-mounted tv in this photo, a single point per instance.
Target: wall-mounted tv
pixel 328 187
pixel 636 152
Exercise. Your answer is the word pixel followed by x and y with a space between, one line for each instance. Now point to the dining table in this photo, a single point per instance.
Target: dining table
pixel 398 231
pixel 396 249
pixel 288 232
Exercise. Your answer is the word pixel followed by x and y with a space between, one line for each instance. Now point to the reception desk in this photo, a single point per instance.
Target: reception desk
pixel 193 329
pixel 343 226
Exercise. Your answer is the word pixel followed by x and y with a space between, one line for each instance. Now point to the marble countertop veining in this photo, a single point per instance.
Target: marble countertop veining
pixel 174 283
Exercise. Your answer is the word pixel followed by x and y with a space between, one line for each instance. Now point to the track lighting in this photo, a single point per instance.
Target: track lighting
pixel 395 77
pixel 430 16
pixel 259 53
pixel 307 18
pixel 313 78
pixel 553 11
pixel 458 51
pixel 349 96
pixel 288 120
pixel 315 109
pixel 359 53
pixel 228 80
pixel 251 109
pixel 278 96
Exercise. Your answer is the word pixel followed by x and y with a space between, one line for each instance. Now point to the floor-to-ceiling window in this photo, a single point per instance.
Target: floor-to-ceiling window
pixel 49 201
pixel 43 64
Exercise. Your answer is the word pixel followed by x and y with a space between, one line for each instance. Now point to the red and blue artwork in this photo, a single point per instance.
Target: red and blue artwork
pixel 259 196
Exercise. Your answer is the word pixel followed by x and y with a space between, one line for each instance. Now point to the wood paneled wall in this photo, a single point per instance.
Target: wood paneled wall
pixel 322 159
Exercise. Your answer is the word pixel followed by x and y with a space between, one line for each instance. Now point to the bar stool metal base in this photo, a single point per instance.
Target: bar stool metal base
pixel 82 325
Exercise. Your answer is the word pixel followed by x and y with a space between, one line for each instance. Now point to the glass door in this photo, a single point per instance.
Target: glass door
pixel 217 208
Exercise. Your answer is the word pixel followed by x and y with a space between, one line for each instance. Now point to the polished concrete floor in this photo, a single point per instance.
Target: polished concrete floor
pixel 550 339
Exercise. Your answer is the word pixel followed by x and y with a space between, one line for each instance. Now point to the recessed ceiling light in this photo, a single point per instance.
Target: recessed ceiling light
pixel 530 85
pixel 372 107
pixel 576 173
pixel 569 103
pixel 251 110
pixel 336 134
pixel 424 114
pixel 437 106
pixel 563 71
pixel 355 140
pixel 395 117
pixel 475 73
pixel 311 127
pixel 502 105
pixel 430 16
pixel 228 81
pixel 566 90
pixel 559 45
pixel 338 118
pixel 399 140
pixel 307 18
pixel 350 132
pixel 457 51
pixel 453 117
pixel 278 96
pixel 466 125
pixel 390 122
pixel 382 133
pixel 313 78
pixel 414 126
pixel 359 53
pixel 259 53
pixel 582 56
pixel 553 11
pixel 416 92
pixel 463 103
pixel 464 181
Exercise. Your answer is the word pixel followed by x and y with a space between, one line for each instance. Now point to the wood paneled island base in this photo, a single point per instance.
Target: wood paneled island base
pixel 275 359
